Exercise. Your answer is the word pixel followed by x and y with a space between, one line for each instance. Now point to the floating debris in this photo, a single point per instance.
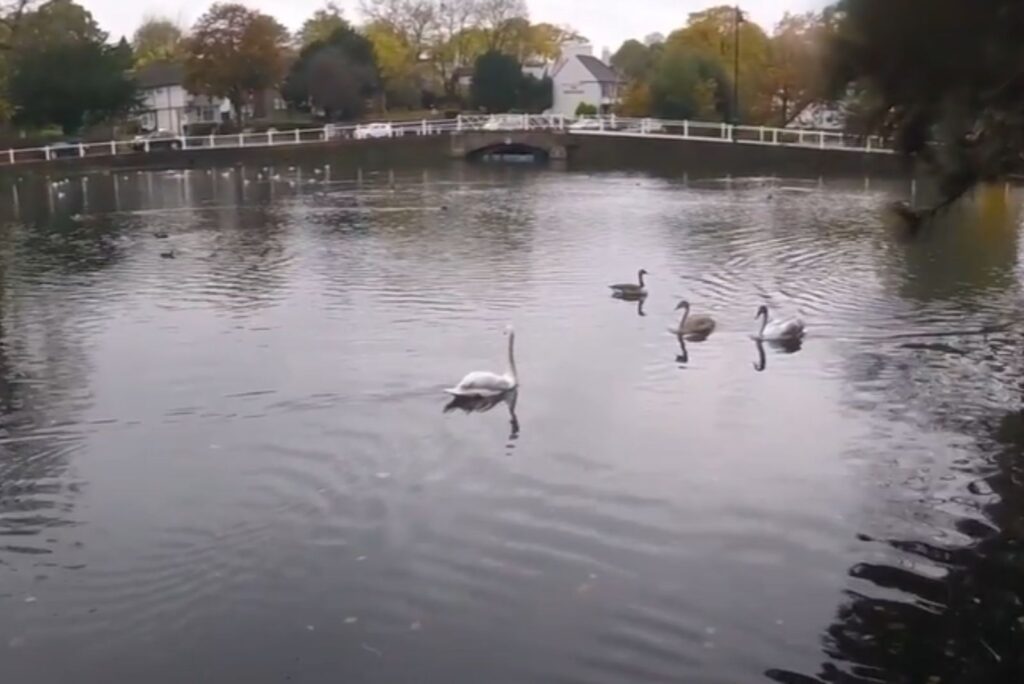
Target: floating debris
pixel 351 620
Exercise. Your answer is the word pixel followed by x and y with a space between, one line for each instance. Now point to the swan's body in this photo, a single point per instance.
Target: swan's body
pixel 787 329
pixel 695 326
pixel 631 290
pixel 486 383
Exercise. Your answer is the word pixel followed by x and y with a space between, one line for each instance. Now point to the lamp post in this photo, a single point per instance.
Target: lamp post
pixel 737 20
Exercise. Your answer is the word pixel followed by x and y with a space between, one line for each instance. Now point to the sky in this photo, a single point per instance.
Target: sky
pixel 606 23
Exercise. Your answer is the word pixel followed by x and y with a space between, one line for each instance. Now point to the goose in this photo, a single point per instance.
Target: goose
pixel 486 383
pixel 697 326
pixel 787 329
pixel 630 290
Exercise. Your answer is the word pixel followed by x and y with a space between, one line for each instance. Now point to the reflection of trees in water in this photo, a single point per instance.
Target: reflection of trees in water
pixel 933 611
pixel 971 250
pixel 963 619
pixel 41 364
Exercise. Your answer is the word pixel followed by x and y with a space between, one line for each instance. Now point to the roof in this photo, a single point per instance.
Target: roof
pixel 160 74
pixel 598 69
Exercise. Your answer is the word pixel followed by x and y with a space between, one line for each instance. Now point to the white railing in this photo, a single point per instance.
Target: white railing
pixel 606 125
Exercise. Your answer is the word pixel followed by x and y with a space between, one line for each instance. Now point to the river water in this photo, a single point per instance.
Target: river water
pixel 234 464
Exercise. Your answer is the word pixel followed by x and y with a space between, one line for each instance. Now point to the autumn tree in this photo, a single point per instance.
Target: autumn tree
pixel 499 19
pixel 797 51
pixel 336 75
pixel 319 27
pixel 689 85
pixel 711 33
pixel 157 40
pixel 234 53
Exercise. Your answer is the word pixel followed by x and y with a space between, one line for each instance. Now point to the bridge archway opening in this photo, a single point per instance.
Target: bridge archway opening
pixel 510 152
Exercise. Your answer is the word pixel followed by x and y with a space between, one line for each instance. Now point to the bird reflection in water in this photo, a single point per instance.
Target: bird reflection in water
pixel 683 356
pixel 781 346
pixel 484 403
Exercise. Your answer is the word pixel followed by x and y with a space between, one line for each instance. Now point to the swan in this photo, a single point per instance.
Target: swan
pixel 487 384
pixel 630 290
pixel 696 326
pixel 783 330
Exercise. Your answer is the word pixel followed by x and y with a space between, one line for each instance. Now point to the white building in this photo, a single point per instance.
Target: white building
pixel 579 77
pixel 167 106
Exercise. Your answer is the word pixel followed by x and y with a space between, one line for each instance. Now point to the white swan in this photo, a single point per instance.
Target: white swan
pixel 631 290
pixel 486 383
pixel 782 330
pixel 695 327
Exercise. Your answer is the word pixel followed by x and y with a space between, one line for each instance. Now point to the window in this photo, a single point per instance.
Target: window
pixel 279 104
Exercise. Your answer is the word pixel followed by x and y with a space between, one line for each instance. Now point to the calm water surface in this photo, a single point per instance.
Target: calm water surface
pixel 233 465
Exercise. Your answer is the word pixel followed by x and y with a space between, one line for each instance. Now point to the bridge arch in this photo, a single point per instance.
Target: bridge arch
pixel 541 145
pixel 509 150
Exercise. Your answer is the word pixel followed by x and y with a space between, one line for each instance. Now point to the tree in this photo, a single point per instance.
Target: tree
pixel 235 52
pixel 796 58
pixel 411 20
pixel 44 91
pixel 496 81
pixel 711 34
pixel 497 19
pixel 688 85
pixel 336 74
pixel 319 27
pixel 633 60
pixel 57 21
pixel 535 94
pixel 157 40
pixel 586 109
pixel 396 63
pixel 636 102
pixel 943 78
pixel 453 44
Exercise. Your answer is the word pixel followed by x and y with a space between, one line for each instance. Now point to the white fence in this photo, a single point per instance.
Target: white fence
pixel 607 125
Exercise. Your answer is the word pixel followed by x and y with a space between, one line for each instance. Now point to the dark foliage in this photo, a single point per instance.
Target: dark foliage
pixel 336 75
pixel 71 84
pixel 944 78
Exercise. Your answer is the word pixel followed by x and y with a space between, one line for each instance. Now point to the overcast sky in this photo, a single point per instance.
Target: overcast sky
pixel 604 22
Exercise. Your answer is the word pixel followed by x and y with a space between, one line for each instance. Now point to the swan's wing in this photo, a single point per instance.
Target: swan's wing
pixel 481 383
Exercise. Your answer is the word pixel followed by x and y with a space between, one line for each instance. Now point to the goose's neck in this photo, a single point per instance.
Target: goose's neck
pixel 511 355
pixel 764 322
pixel 640 275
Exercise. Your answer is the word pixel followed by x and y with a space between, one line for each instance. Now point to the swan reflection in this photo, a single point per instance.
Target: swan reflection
pixel 483 404
pixel 779 346
pixel 683 356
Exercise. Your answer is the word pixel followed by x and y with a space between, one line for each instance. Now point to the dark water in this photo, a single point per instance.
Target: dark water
pixel 233 465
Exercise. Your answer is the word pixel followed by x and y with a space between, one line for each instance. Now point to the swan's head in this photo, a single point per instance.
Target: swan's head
pixel 683 305
pixel 761 311
pixel 642 272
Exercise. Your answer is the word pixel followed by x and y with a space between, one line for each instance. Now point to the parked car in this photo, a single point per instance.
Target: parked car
pixel 373 130
pixel 158 140
pixel 64 149
pixel 585 125
pixel 503 122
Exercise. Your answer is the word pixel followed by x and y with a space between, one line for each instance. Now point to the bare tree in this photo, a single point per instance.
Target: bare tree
pixel 413 20
pixel 497 17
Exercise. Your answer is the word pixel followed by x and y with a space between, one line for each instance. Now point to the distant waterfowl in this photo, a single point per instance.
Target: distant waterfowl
pixel 160 235
pixel 787 329
pixel 486 383
pixel 631 290
pixel 169 254
pixel 696 326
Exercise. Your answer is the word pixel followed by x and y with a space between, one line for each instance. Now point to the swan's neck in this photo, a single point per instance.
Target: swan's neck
pixel 682 321
pixel 640 275
pixel 511 355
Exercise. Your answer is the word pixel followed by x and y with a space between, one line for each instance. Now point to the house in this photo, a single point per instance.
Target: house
pixel 579 77
pixel 167 106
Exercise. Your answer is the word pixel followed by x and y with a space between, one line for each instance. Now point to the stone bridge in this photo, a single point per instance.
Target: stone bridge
pixel 477 143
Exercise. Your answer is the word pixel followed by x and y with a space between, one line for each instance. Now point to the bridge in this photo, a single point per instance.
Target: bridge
pixel 547 136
